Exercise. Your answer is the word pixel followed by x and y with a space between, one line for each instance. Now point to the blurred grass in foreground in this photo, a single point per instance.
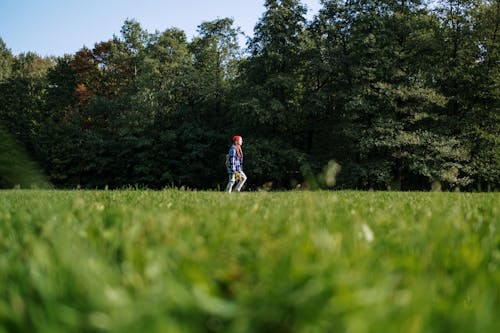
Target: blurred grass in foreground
pixel 174 261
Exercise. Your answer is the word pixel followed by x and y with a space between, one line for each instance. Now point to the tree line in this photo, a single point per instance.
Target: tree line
pixel 368 94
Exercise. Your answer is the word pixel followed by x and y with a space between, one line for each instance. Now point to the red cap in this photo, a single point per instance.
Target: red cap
pixel 236 137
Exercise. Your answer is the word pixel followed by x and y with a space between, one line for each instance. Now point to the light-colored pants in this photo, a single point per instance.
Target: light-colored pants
pixel 232 181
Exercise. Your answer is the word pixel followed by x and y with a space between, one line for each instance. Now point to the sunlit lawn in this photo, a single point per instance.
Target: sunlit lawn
pixel 178 261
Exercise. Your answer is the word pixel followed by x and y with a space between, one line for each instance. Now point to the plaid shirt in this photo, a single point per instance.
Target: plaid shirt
pixel 235 163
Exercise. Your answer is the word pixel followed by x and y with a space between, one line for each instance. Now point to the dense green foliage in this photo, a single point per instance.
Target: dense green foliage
pixel 175 261
pixel 402 94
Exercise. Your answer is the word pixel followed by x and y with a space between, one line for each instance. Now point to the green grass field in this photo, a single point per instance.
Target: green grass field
pixel 176 261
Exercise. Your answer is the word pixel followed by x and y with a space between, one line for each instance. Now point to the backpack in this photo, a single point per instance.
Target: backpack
pixel 227 161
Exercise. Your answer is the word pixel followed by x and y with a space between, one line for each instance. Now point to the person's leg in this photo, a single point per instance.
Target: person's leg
pixel 230 183
pixel 242 181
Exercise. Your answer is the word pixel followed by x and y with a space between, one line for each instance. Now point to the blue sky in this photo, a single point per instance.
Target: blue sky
pixel 58 27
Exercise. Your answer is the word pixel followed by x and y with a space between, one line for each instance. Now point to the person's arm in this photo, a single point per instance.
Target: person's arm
pixel 232 159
